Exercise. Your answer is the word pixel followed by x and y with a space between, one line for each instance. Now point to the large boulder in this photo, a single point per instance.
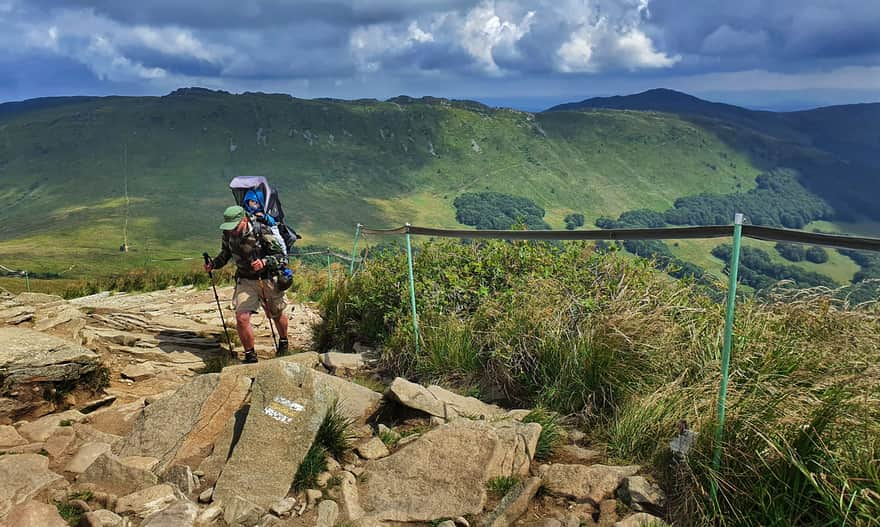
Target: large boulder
pixel 287 408
pixel 445 472
pixel 593 483
pixel 22 477
pixel 9 437
pixel 30 359
pixel 33 513
pixel 162 427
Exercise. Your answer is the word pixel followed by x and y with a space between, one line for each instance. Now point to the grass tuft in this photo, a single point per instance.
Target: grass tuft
pixel 499 486
pixel 336 433
pixel 551 433
pixel 313 464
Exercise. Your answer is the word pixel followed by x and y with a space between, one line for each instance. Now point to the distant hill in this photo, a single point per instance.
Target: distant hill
pixel 66 163
pixel 846 138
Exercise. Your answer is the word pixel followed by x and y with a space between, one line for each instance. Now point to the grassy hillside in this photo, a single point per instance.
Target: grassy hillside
pixel 65 167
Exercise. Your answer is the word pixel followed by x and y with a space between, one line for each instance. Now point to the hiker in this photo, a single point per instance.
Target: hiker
pixel 258 258
pixel 253 205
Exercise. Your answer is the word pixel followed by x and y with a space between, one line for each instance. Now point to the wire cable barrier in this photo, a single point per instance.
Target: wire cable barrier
pixel 670 233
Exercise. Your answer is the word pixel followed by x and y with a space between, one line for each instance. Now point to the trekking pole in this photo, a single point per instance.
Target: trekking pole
pixel 268 314
pixel 220 309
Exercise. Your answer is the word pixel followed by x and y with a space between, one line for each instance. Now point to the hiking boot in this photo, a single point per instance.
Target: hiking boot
pixel 283 347
pixel 250 357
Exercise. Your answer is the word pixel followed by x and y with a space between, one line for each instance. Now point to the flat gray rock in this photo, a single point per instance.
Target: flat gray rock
pixel 287 408
pixel 28 356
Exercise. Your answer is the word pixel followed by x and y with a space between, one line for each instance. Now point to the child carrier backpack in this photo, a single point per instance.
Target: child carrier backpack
pixel 271 204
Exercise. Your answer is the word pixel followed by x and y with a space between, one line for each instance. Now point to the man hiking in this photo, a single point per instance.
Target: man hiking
pixel 258 257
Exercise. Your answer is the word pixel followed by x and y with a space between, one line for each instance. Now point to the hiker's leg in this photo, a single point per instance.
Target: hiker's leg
pixel 281 325
pixel 245 330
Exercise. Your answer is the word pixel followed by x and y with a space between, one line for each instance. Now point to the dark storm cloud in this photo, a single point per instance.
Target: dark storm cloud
pixel 258 13
pixel 771 32
pixel 354 48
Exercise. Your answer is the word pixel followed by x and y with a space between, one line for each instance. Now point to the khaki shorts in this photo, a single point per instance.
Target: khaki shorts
pixel 247 296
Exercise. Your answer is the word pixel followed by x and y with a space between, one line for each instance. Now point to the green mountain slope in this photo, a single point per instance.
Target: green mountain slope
pixel 847 176
pixel 65 167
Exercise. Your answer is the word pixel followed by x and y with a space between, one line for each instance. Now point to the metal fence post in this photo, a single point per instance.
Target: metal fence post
pixel 725 354
pixel 412 287
pixel 329 273
pixel 357 233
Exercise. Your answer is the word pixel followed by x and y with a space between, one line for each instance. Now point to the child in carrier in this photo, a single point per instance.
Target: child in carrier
pixel 253 205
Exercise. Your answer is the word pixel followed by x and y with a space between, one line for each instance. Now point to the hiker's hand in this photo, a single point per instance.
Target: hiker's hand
pixel 257 265
pixel 209 267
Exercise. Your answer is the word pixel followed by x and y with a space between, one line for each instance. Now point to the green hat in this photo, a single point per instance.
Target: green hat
pixel 231 218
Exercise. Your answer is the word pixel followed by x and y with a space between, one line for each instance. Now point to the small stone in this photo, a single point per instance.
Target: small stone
pixel 638 492
pixel 437 421
pixel 607 513
pixel 446 523
pixel 209 515
pixel 139 372
pixel 580 453
pixel 148 501
pixel 518 415
pixel 181 514
pixel 384 430
pixel 323 478
pixel 199 473
pixel 332 464
pixel 312 497
pixel 205 496
pixel 269 521
pixel 640 519
pixel 461 520
pixel 408 439
pixel 576 436
pixel 9 437
pixel 328 511
pixel 104 518
pixel 283 507
pixel 81 505
pixel 182 477
pixel 373 449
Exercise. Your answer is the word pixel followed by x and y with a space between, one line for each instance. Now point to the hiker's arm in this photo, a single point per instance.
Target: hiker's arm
pixel 275 258
pixel 224 256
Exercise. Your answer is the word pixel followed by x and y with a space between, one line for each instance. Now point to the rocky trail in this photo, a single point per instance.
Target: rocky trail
pixel 121 410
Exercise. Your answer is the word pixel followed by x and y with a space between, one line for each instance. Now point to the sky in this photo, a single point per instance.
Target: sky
pixel 773 54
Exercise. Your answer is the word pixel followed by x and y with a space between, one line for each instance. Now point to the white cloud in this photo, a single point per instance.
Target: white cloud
pixel 483 30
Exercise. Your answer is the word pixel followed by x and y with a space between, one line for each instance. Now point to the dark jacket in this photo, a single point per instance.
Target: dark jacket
pixel 256 242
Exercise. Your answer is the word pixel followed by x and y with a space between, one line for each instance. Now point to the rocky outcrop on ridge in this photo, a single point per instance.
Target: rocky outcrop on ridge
pixel 168 443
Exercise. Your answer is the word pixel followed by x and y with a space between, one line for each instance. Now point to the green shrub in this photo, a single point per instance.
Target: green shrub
pixel 604 338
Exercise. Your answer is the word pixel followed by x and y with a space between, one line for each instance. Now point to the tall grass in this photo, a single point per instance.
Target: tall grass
pixel 630 352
